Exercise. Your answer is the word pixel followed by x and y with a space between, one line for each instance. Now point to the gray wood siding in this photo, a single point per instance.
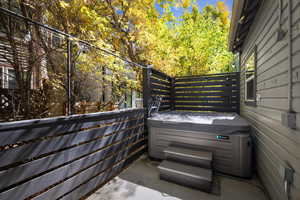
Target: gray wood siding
pixel 274 143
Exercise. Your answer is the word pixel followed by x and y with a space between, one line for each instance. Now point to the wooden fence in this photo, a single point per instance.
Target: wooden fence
pixel 216 92
pixel 157 83
pixel 67 157
pixel 204 93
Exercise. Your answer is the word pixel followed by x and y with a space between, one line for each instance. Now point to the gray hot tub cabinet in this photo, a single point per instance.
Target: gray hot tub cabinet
pixel 226 135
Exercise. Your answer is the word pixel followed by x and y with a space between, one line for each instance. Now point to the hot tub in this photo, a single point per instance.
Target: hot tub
pixel 226 135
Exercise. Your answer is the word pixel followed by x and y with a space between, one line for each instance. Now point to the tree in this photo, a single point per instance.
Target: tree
pixel 24 55
pixel 193 44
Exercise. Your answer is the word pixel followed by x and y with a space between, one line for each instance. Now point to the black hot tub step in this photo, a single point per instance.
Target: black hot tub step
pixel 186 175
pixel 189 156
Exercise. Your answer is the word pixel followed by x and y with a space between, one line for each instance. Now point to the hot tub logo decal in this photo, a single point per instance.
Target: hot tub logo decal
pixel 222 137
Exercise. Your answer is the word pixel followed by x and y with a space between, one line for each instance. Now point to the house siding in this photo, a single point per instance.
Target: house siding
pixel 274 143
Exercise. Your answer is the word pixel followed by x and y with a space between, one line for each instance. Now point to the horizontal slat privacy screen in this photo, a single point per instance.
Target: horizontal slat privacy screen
pixel 161 85
pixel 67 157
pixel 203 93
pixel 216 92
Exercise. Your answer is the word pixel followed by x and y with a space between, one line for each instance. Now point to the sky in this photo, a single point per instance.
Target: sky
pixel 201 3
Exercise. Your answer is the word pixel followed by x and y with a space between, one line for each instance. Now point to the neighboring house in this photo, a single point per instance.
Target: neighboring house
pixel 21 37
pixel 266 34
pixel 7 72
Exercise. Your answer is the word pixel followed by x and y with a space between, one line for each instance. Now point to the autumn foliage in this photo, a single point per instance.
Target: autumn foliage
pixel 194 43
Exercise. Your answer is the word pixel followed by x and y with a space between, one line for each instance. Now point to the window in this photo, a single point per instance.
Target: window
pixel 7 78
pixel 250 78
pixel 56 41
pixel 1 77
pixel 128 99
pixel 12 83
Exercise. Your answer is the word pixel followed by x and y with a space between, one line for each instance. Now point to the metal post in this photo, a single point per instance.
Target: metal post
pixel 146 89
pixel 69 70
pixel 103 84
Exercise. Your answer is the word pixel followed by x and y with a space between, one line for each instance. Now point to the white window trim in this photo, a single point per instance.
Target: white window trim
pixel 252 77
pixel 5 78
pixel 246 83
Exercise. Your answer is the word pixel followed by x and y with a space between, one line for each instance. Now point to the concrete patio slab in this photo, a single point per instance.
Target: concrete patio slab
pixel 141 182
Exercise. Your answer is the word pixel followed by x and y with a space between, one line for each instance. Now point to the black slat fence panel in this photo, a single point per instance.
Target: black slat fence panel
pixel 161 85
pixel 219 88
pixel 212 93
pixel 197 99
pixel 164 98
pixel 160 93
pixel 48 159
pixel 207 93
pixel 221 104
pixel 207 109
pixel 223 77
pixel 157 81
pixel 160 75
pixel 206 83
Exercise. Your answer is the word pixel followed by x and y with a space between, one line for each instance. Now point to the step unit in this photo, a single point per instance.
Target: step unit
pixel 189 156
pixel 187 175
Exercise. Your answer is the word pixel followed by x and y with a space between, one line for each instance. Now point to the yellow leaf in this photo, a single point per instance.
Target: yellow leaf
pixel 63 4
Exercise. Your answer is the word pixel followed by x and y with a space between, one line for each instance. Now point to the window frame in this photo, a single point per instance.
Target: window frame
pixel 2 77
pixel 5 77
pixel 4 84
pixel 251 102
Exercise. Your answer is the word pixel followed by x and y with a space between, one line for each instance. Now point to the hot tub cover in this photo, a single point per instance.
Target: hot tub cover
pixel 225 123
